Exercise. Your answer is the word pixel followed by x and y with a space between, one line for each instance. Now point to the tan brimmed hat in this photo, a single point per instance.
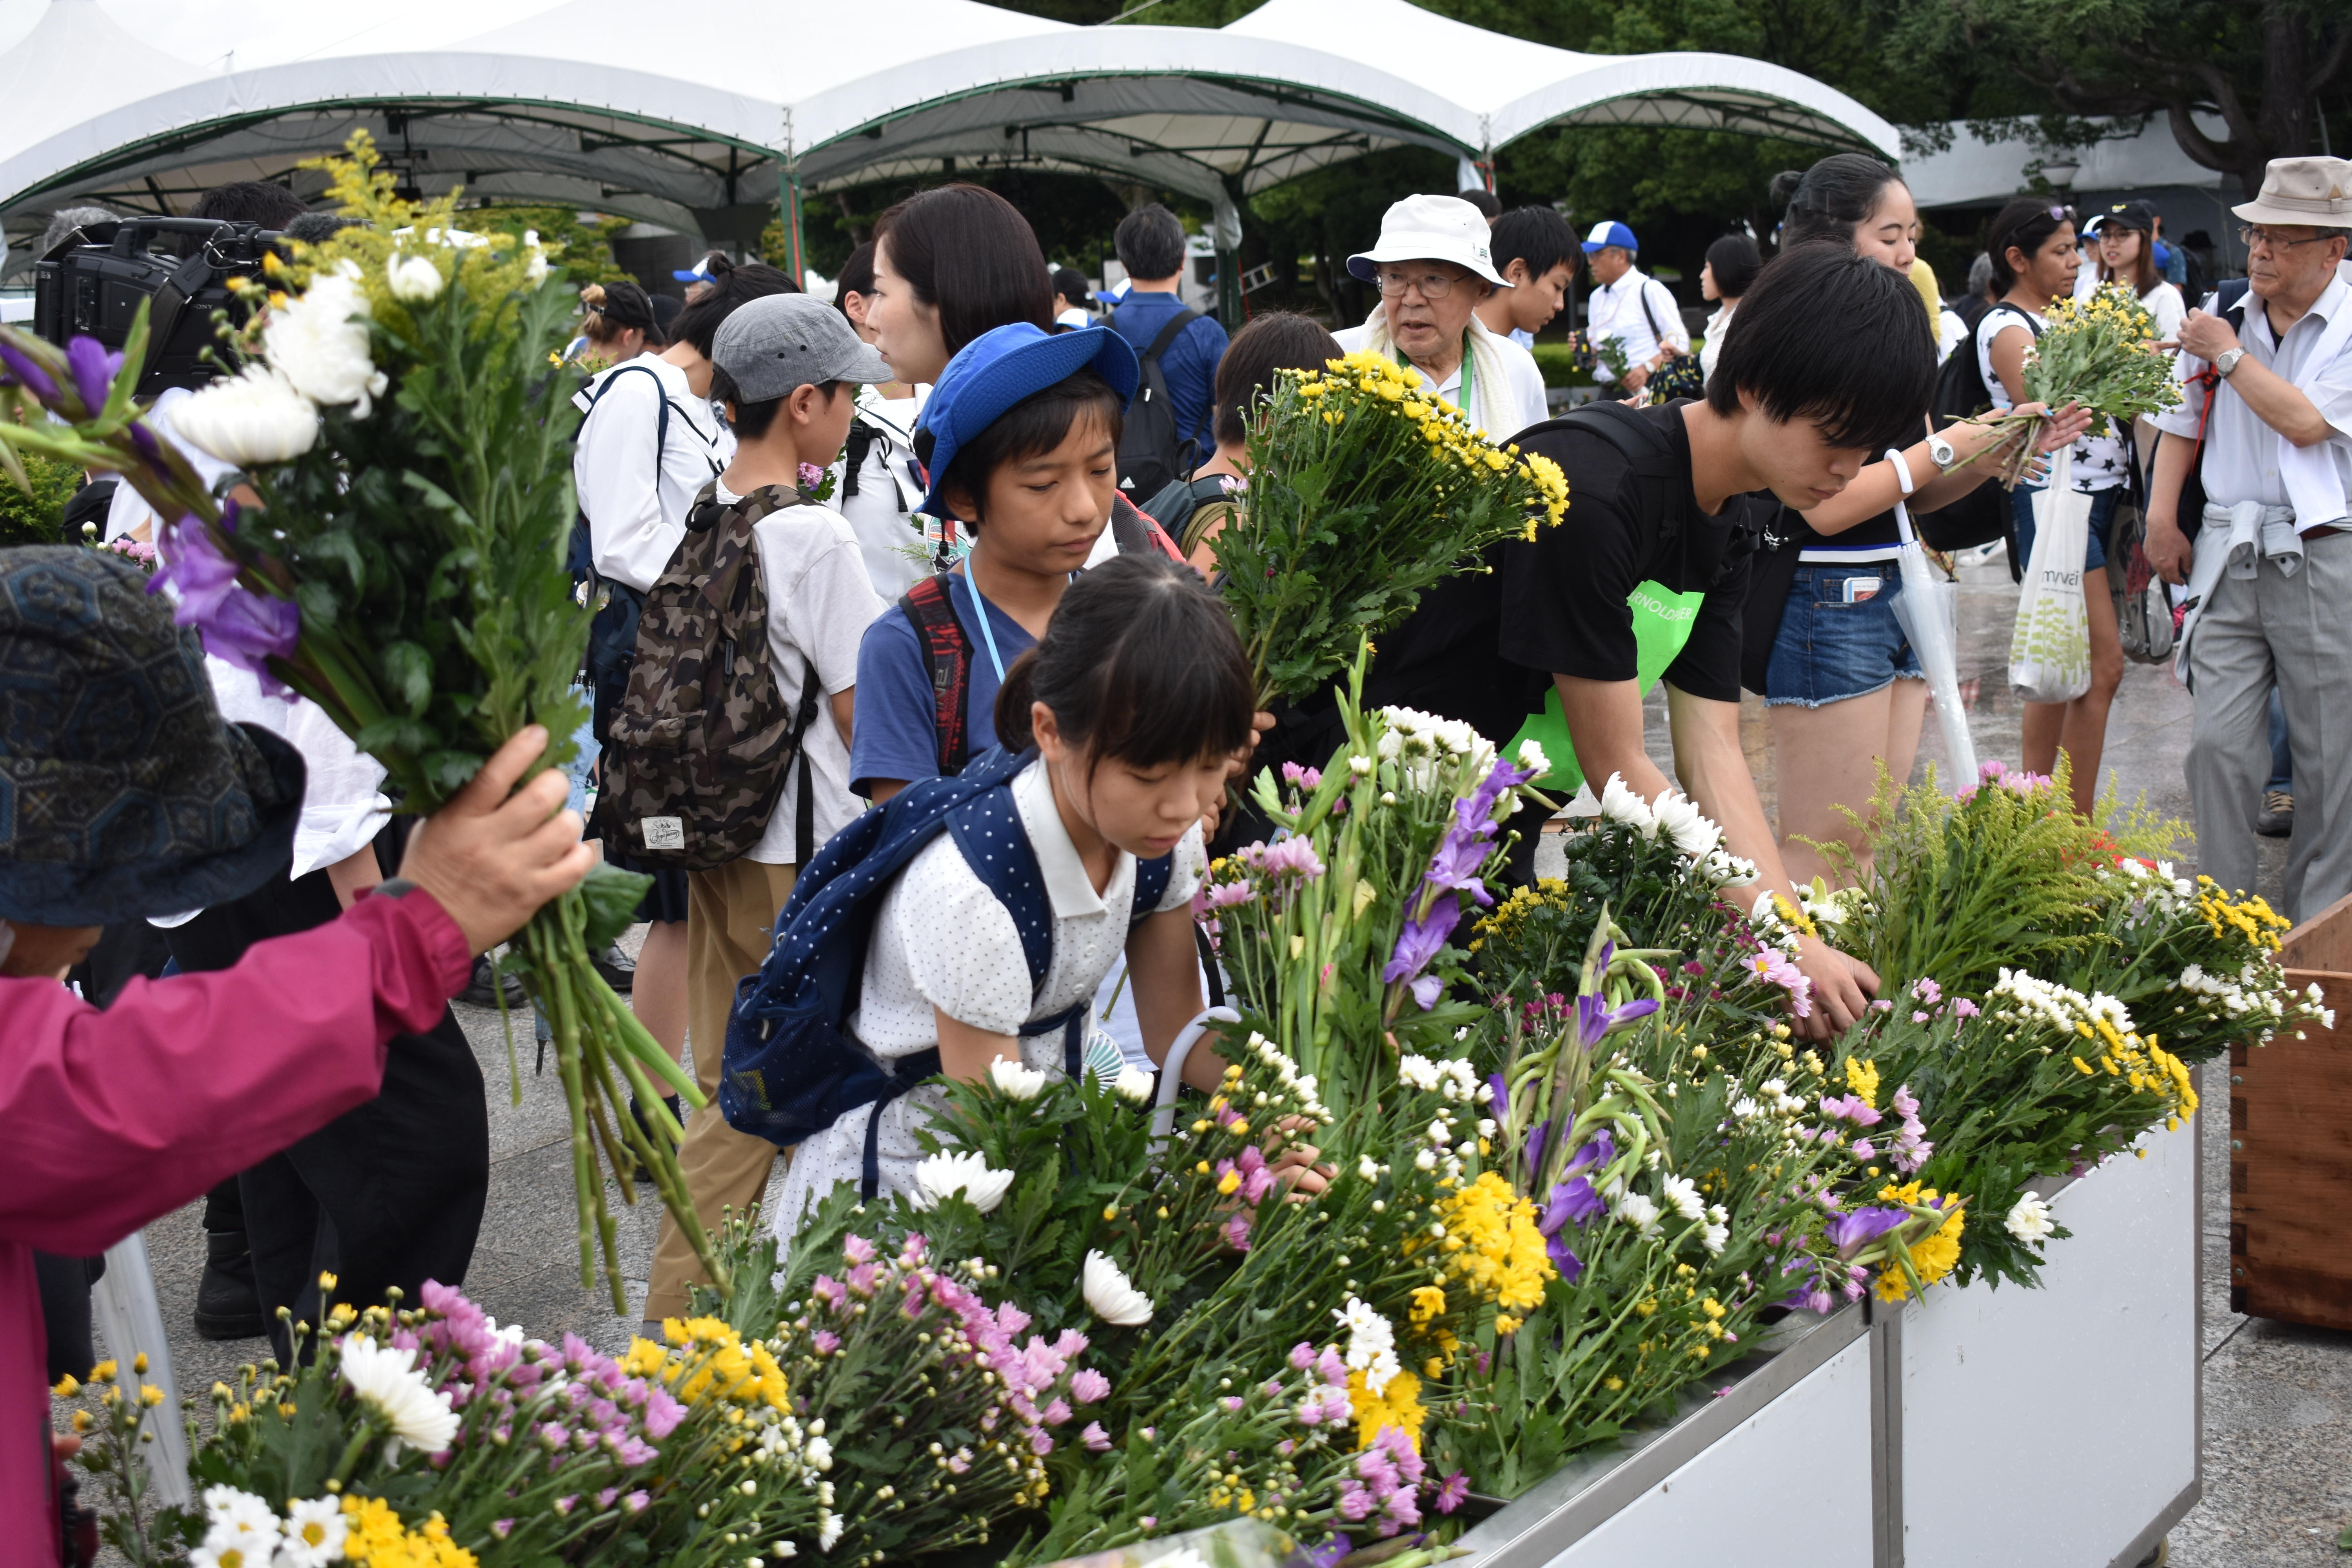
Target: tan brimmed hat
pixel 2314 192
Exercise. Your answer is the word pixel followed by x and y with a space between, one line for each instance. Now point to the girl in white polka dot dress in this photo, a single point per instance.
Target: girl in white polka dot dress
pixel 1136 701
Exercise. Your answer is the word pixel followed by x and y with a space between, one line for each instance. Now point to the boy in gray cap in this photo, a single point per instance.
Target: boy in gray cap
pixel 787 368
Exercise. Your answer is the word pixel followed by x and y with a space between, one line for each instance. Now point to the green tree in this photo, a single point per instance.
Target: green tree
pixel 36 519
pixel 587 254
pixel 2261 64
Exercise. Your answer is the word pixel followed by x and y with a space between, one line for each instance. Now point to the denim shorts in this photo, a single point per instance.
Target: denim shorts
pixel 1828 650
pixel 2102 512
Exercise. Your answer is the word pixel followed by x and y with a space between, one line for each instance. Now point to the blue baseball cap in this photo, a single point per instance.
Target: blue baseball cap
pixel 1000 367
pixel 1607 234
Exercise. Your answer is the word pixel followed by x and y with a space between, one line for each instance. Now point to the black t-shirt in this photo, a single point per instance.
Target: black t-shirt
pixel 1563 595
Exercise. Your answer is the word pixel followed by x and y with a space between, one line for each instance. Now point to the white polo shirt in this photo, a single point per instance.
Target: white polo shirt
pixel 636 499
pixel 1613 313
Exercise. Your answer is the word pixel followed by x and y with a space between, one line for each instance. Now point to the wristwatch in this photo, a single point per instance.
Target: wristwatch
pixel 2227 361
pixel 1940 450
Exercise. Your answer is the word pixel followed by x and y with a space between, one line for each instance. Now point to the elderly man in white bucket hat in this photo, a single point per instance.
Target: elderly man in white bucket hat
pixel 2267 374
pixel 1432 266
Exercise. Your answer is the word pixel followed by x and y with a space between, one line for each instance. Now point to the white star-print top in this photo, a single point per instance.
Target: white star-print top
pixel 943 940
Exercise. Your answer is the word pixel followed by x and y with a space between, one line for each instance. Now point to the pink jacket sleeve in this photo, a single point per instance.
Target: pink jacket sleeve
pixel 112 1118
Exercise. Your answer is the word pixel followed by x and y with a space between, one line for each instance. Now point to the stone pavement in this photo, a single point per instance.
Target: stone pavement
pixel 2278 1398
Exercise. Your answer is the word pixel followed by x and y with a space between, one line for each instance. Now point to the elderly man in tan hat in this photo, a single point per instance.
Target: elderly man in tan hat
pixel 1433 266
pixel 2267 374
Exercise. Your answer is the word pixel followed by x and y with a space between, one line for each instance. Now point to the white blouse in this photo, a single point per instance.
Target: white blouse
pixel 941 939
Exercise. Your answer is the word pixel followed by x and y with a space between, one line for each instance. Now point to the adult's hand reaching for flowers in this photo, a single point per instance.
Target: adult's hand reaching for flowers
pixel 1297 1168
pixel 495 854
pixel 1842 987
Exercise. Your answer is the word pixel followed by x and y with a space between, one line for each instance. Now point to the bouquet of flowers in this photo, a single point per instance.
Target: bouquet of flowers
pixel 411 449
pixel 2099 353
pixel 1364 490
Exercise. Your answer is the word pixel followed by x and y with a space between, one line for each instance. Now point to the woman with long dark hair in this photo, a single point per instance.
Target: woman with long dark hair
pixel 1845 691
pixel 2035 255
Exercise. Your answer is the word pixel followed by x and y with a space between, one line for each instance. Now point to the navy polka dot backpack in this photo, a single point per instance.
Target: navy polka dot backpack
pixel 793 1068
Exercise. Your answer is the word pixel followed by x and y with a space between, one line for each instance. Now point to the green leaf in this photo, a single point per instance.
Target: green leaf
pixel 409 670
pixel 612 896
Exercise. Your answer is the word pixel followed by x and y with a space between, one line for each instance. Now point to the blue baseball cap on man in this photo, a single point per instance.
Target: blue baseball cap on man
pixel 1000 367
pixel 1609 232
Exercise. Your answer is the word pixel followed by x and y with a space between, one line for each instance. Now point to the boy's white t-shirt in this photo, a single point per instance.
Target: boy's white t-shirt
pixel 819 606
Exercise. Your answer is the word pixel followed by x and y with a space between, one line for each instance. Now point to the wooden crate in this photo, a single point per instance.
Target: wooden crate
pixel 2291 1148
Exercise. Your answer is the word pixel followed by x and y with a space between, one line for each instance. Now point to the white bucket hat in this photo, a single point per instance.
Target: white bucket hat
pixel 1430 229
pixel 2314 192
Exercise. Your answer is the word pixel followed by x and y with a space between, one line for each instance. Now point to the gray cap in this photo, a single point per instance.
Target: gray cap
pixel 774 343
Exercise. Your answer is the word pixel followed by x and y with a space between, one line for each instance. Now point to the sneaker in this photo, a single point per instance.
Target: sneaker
pixel 478 992
pixel 619 970
pixel 228 1301
pixel 2277 817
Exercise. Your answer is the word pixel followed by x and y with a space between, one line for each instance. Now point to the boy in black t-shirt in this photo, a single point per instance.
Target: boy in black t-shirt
pixel 1644 579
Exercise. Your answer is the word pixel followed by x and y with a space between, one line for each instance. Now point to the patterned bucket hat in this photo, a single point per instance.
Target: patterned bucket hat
pixel 122 794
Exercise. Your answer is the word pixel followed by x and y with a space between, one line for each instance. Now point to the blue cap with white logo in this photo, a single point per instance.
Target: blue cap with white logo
pixel 1000 367
pixel 1605 235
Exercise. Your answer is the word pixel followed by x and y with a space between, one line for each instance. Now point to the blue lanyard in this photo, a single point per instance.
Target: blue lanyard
pixel 987 632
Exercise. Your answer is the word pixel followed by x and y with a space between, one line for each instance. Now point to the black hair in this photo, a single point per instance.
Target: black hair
pixel 1278 340
pixel 1827 335
pixel 2027 223
pixel 614 308
pixel 1736 264
pixel 1071 285
pixel 1828 200
pixel 667 307
pixel 250 201
pixel 856 277
pixel 1150 242
pixel 730 290
pixel 968 254
pixel 1030 428
pixel 753 420
pixel 1488 207
pixel 317 228
pixel 1139 663
pixel 1536 236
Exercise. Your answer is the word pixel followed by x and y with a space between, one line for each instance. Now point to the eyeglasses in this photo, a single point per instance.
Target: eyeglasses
pixel 2061 215
pixel 1433 285
pixel 2250 237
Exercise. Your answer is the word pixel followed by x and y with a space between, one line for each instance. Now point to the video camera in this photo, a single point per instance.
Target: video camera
pixel 92 284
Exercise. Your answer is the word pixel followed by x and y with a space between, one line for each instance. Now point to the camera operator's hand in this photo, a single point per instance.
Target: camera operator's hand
pixel 495 854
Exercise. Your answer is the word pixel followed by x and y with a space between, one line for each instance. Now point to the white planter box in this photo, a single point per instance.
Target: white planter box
pixel 2058 1427
pixel 2061 1425
pixel 1715 1486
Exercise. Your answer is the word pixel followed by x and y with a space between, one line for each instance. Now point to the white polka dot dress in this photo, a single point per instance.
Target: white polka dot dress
pixel 943 940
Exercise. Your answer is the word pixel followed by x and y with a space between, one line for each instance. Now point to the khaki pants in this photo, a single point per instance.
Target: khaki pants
pixel 730 924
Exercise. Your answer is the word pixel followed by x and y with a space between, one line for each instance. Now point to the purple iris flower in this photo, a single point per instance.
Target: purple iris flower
pixel 1459 855
pixel 1593 1156
pixel 30 375
pixel 1418 944
pixel 93 371
pixel 1501 777
pixel 1535 1144
pixel 1850 1233
pixel 239 625
pixel 1329 1553
pixel 1568 1264
pixel 1502 1107
pixel 1595 1018
pixel 1570 1200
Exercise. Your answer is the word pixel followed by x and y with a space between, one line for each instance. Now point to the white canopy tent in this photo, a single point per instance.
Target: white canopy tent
pixel 141 104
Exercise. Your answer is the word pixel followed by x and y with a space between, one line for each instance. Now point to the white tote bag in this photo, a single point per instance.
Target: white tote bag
pixel 2050 652
pixel 1928 611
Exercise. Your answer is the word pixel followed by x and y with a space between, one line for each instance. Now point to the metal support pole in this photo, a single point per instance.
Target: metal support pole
pixel 788 170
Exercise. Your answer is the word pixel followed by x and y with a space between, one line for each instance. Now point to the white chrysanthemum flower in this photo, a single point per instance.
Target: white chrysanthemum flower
pixel 254 417
pixel 2029 1220
pixel 1714 1237
pixel 1679 817
pixel 1418 1071
pixel 1620 804
pixel 819 1453
pixel 238 1524
pixel 1425 1160
pixel 1132 1083
pixel 828 1529
pixel 1111 1295
pixel 535 271
pixel 387 1380
pixel 321 341
pixel 944 1175
pixel 314 1533
pixel 413 280
pixel 1683 1193
pixel 1532 757
pixel 1016 1081
pixel 1637 1211
pixel 1372 1344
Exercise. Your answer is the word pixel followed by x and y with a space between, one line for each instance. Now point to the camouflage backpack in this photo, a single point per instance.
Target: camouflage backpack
pixel 702 740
